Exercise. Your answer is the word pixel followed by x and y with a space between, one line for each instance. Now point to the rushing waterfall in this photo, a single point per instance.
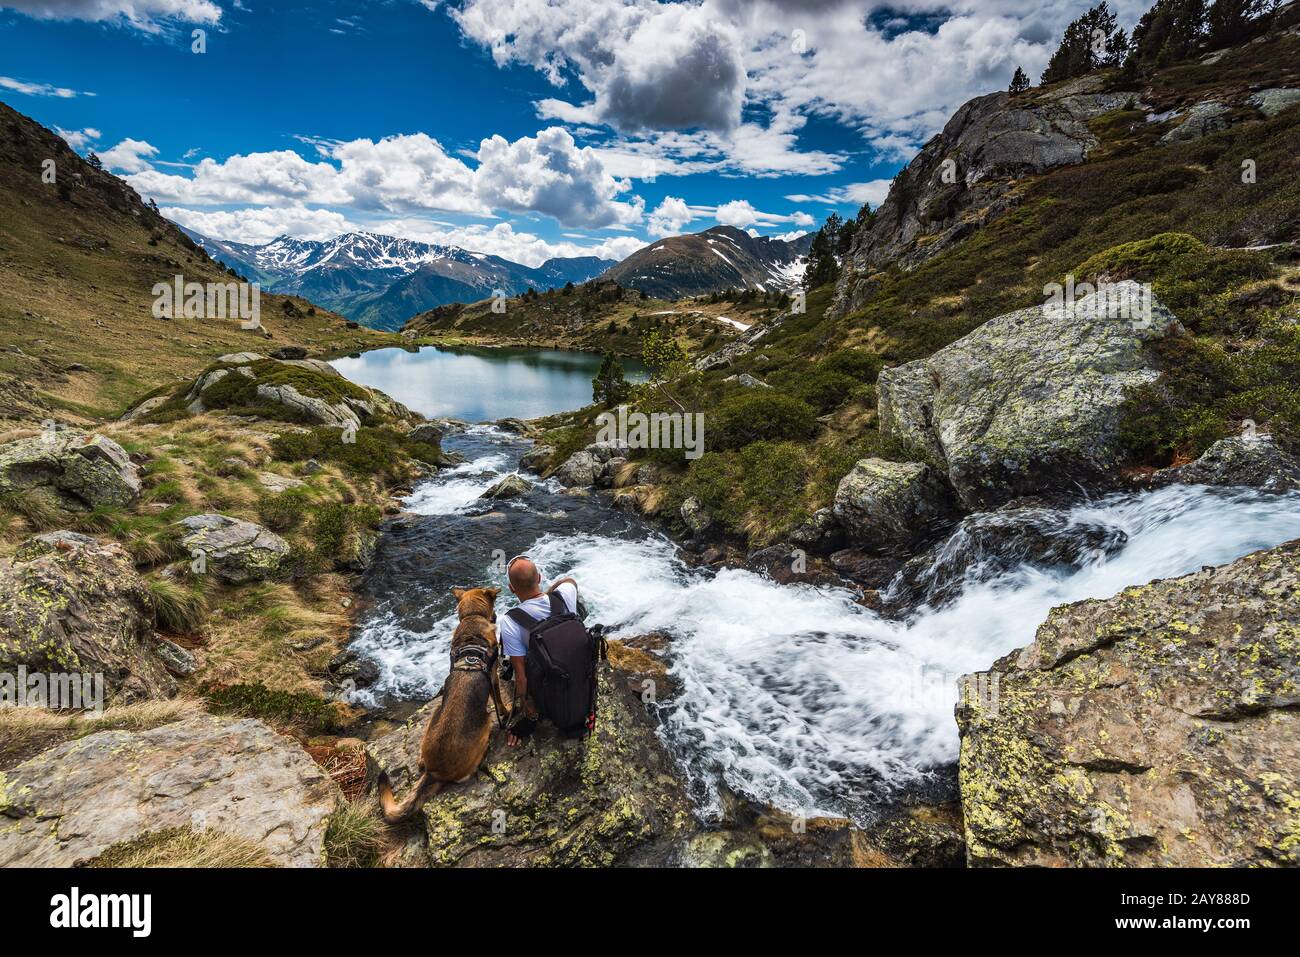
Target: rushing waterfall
pixel 791 695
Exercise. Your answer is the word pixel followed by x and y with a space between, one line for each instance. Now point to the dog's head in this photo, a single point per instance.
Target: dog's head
pixel 476 601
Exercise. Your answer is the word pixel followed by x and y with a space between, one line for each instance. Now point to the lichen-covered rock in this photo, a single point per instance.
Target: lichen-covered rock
pixel 610 800
pixel 70 603
pixel 70 469
pixel 1030 401
pixel 1155 728
pixel 338 414
pixel 309 395
pixel 580 470
pixel 697 519
pixel 891 505
pixel 1201 120
pixel 1251 462
pixel 431 432
pixel 536 458
pixel 76 800
pixel 233 549
pixel 511 486
pixel 1276 100
pixel 142 409
pixel 821 534
pixel 179 661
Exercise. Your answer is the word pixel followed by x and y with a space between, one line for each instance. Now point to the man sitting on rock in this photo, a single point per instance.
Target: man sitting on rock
pixel 525 581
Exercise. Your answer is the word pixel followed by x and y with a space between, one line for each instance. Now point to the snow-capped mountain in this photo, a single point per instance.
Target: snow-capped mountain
pixel 723 257
pixel 383 280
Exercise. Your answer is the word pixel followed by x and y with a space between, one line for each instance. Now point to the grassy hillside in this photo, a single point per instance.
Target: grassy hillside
pixel 598 316
pixel 78 261
pixel 1223 254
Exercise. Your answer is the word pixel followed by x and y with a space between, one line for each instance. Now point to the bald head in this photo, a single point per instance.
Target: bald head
pixel 525 579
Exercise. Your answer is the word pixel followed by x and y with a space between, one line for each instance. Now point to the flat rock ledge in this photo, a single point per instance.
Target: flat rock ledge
pixel 71 803
pixel 1158 728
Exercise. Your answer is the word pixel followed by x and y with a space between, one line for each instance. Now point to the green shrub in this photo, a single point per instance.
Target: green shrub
pixel 336 521
pixel 284 510
pixel 827 390
pixel 381 452
pixel 756 491
pixel 284 709
pixel 759 415
pixel 858 363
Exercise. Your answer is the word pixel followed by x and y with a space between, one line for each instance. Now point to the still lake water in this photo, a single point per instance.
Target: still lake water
pixel 482 384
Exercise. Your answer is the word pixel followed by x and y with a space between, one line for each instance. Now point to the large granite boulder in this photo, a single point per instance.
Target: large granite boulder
pixel 590 466
pixel 1030 401
pixel 70 469
pixel 74 801
pixel 233 549
pixel 888 506
pixel 1254 462
pixel 1156 728
pixel 70 603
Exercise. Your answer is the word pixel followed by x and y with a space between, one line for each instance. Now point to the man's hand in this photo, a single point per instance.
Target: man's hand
pixel 555 585
pixel 521 695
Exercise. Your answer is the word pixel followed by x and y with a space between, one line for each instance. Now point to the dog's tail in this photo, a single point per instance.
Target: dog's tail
pixel 394 813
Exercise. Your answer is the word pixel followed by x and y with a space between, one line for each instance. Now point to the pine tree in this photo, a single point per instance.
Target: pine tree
pixel 1019 82
pixel 1230 21
pixel 823 264
pixel 94 161
pixel 1170 31
pixel 610 386
pixel 1085 46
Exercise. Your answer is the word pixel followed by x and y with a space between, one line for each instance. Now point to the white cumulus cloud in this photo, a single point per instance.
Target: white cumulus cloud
pixel 146 15
pixel 129 156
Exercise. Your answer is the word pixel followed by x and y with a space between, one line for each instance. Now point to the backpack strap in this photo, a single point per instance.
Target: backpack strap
pixel 558 606
pixel 521 618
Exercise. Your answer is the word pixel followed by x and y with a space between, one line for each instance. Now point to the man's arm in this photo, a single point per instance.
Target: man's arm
pixel 562 581
pixel 521 678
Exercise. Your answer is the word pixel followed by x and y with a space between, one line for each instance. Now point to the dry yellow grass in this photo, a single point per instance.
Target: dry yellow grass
pixel 184 847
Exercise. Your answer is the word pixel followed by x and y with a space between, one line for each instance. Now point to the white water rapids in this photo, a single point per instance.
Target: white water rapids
pixel 795 695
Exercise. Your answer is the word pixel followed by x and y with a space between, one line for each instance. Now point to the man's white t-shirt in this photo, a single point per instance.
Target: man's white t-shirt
pixel 514 638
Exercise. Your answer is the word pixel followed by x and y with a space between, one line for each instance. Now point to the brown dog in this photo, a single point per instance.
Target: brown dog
pixel 456 737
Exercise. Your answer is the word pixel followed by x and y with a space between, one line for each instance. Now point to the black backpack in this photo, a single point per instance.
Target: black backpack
pixel 561 666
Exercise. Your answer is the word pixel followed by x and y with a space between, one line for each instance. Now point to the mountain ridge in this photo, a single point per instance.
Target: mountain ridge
pixel 381 281
pixel 714 260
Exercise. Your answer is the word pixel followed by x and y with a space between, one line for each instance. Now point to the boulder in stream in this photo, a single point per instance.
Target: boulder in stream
pixel 1254 462
pixel 1030 401
pixel 511 486
pixel 886 506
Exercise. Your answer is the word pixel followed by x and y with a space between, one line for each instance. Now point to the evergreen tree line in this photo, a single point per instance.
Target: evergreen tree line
pixel 831 244
pixel 1170 31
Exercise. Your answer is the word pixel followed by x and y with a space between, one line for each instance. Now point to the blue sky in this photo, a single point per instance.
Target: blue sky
pixel 525 128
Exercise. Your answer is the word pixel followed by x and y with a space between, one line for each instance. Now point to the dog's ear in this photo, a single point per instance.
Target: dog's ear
pixel 492 593
pixel 458 593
